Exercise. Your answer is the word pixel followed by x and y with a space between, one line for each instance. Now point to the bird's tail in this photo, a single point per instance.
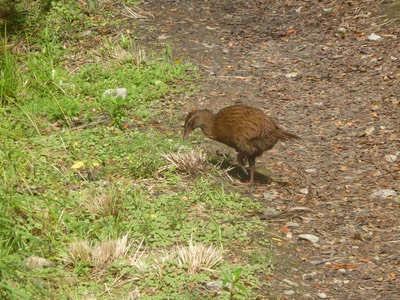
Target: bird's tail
pixel 284 135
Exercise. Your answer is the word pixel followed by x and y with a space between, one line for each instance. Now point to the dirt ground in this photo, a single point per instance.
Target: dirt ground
pixel 316 68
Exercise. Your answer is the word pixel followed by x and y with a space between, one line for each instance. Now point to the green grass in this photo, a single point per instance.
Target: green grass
pixel 84 184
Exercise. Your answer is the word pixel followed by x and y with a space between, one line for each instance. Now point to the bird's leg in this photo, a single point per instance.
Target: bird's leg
pixel 240 160
pixel 252 166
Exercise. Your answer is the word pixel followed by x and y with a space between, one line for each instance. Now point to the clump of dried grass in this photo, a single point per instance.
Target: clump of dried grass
pixel 194 257
pixel 192 162
pixel 101 254
pixel 198 257
pixel 103 201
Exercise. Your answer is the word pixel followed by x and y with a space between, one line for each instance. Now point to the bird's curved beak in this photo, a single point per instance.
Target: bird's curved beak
pixel 186 133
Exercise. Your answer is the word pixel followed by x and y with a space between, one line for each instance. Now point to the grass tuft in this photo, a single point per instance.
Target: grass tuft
pixel 198 257
pixel 100 254
pixel 192 162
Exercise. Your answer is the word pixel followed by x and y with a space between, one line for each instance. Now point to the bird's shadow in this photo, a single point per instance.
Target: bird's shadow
pixel 236 172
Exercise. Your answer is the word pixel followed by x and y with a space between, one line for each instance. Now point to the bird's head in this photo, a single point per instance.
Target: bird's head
pixel 195 119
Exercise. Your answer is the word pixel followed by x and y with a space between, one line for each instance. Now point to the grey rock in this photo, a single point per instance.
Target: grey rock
pixel 289 282
pixel 304 191
pixel 309 276
pixel 309 237
pixel 373 37
pixel 288 292
pixel 292 224
pixel 118 92
pixel 384 193
pixel 37 262
pixel 391 158
pixel 217 284
pixel 268 196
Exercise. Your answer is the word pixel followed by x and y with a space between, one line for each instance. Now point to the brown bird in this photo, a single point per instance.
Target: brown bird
pixel 246 129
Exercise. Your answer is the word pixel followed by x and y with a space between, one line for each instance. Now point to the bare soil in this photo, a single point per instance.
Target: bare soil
pixel 314 67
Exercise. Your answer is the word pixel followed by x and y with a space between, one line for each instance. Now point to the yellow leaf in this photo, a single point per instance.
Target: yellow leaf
pixel 78 165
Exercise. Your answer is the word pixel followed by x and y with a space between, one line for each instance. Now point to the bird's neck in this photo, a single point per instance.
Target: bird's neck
pixel 207 122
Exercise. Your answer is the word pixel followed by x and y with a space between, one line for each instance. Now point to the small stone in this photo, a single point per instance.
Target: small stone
pixel 291 75
pixel 309 237
pixel 369 130
pixel 341 30
pixel 304 191
pixel 394 58
pixel 269 196
pixel 269 211
pixel 374 37
pixel 391 158
pixel 321 295
pixel 134 294
pixel 309 170
pixel 328 252
pixel 292 224
pixel 384 193
pixel 288 292
pixel 213 284
pixel 37 262
pixel 86 33
pixel 308 276
pixel 289 282
pixel 118 92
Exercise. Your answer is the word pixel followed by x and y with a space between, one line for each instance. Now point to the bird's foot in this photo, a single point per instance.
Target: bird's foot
pixel 246 183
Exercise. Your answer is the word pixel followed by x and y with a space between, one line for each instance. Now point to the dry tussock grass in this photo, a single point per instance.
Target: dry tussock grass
pixel 196 257
pixel 192 162
pixel 101 254
pixel 103 201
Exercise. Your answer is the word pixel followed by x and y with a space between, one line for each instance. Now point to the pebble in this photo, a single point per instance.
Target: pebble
pixel 288 292
pixel 268 196
pixel 374 37
pixel 309 237
pixel 369 130
pixel 269 211
pixel 309 170
pixel 37 262
pixel 322 295
pixel 289 282
pixel 119 92
pixel 308 276
pixel 291 75
pixel 292 224
pixel 391 158
pixel 384 193
pixel 304 191
pixel 213 284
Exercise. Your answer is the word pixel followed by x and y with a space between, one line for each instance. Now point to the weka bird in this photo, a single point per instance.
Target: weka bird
pixel 246 129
